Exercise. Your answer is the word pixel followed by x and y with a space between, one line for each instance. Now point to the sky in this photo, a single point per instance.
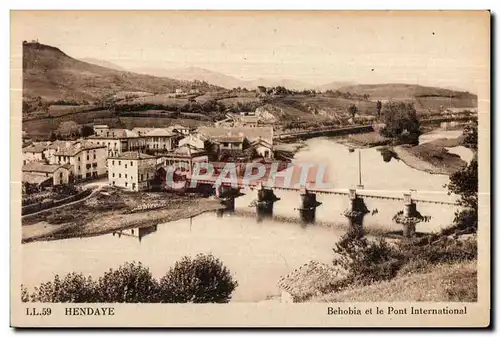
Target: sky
pixel 448 49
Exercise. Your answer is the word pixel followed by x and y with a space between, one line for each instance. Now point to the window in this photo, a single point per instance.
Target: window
pixel 113 175
pixel 60 175
pixel 94 156
pixel 79 159
pixel 133 186
pixel 125 175
pixel 119 162
pixel 131 163
pixel 113 162
pixel 87 175
pixel 94 165
pixel 119 175
pixel 125 165
pixel 142 177
pixel 98 143
pixel 88 157
pixel 78 168
pixel 113 183
pixel 126 184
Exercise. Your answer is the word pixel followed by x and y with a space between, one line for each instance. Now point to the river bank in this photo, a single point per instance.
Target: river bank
pixel 109 210
pixel 432 157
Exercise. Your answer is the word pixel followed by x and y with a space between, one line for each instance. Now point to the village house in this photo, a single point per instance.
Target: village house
pixel 311 279
pixel 183 130
pixel 184 157
pixel 263 148
pixel 100 129
pixel 118 141
pixel 87 160
pixel 46 175
pixel 34 152
pixel 197 141
pixel 160 140
pixel 237 139
pixel 248 121
pixel 133 171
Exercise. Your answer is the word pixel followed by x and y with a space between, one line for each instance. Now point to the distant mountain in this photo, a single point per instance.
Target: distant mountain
pixel 102 63
pixel 334 85
pixel 194 73
pixel 403 91
pixel 51 74
pixel 287 83
pixel 220 79
pixel 424 98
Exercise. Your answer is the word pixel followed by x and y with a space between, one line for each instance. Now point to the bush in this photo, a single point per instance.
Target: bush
pixel 366 261
pixel 203 279
pixel 130 283
pixel 74 288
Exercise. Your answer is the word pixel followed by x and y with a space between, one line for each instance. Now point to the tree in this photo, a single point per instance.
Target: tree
pixel 203 279
pixel 364 260
pixel 68 129
pixel 87 131
pixel 130 283
pixel 353 110
pixel 470 136
pixel 379 108
pixel 401 122
pixel 74 288
pixel 465 184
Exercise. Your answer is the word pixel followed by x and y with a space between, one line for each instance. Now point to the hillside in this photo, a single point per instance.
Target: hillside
pixel 439 284
pixel 102 63
pixel 51 74
pixel 194 73
pixel 223 80
pixel 402 91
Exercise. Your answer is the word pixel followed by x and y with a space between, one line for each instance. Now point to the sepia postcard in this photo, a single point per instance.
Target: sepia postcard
pixel 250 169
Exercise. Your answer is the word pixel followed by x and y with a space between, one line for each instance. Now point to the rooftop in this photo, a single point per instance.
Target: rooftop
pixel 132 155
pixel 35 148
pixel 185 151
pixel 308 280
pixel 116 134
pixel 35 178
pixel 43 167
pixel 72 149
pixel 251 134
pixel 159 132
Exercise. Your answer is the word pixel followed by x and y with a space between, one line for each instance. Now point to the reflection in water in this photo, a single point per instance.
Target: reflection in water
pixel 137 233
pixel 307 216
pixel 257 254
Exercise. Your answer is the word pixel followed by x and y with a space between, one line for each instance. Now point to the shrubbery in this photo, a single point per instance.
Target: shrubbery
pixel 367 261
pixel 203 279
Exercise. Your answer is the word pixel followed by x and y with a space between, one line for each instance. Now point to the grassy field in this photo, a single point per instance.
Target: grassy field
pixel 162 99
pixel 442 283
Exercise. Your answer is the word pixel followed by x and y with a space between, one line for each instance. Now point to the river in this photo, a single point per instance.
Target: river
pixel 258 252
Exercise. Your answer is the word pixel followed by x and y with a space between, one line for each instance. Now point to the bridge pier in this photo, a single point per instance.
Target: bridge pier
pixel 410 214
pixel 265 202
pixel 308 206
pixel 226 194
pixel 356 212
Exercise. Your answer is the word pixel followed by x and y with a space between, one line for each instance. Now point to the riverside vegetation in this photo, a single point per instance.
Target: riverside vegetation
pixel 202 279
pixel 372 266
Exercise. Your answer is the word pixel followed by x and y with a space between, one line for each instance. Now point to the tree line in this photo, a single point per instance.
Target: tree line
pixel 202 279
